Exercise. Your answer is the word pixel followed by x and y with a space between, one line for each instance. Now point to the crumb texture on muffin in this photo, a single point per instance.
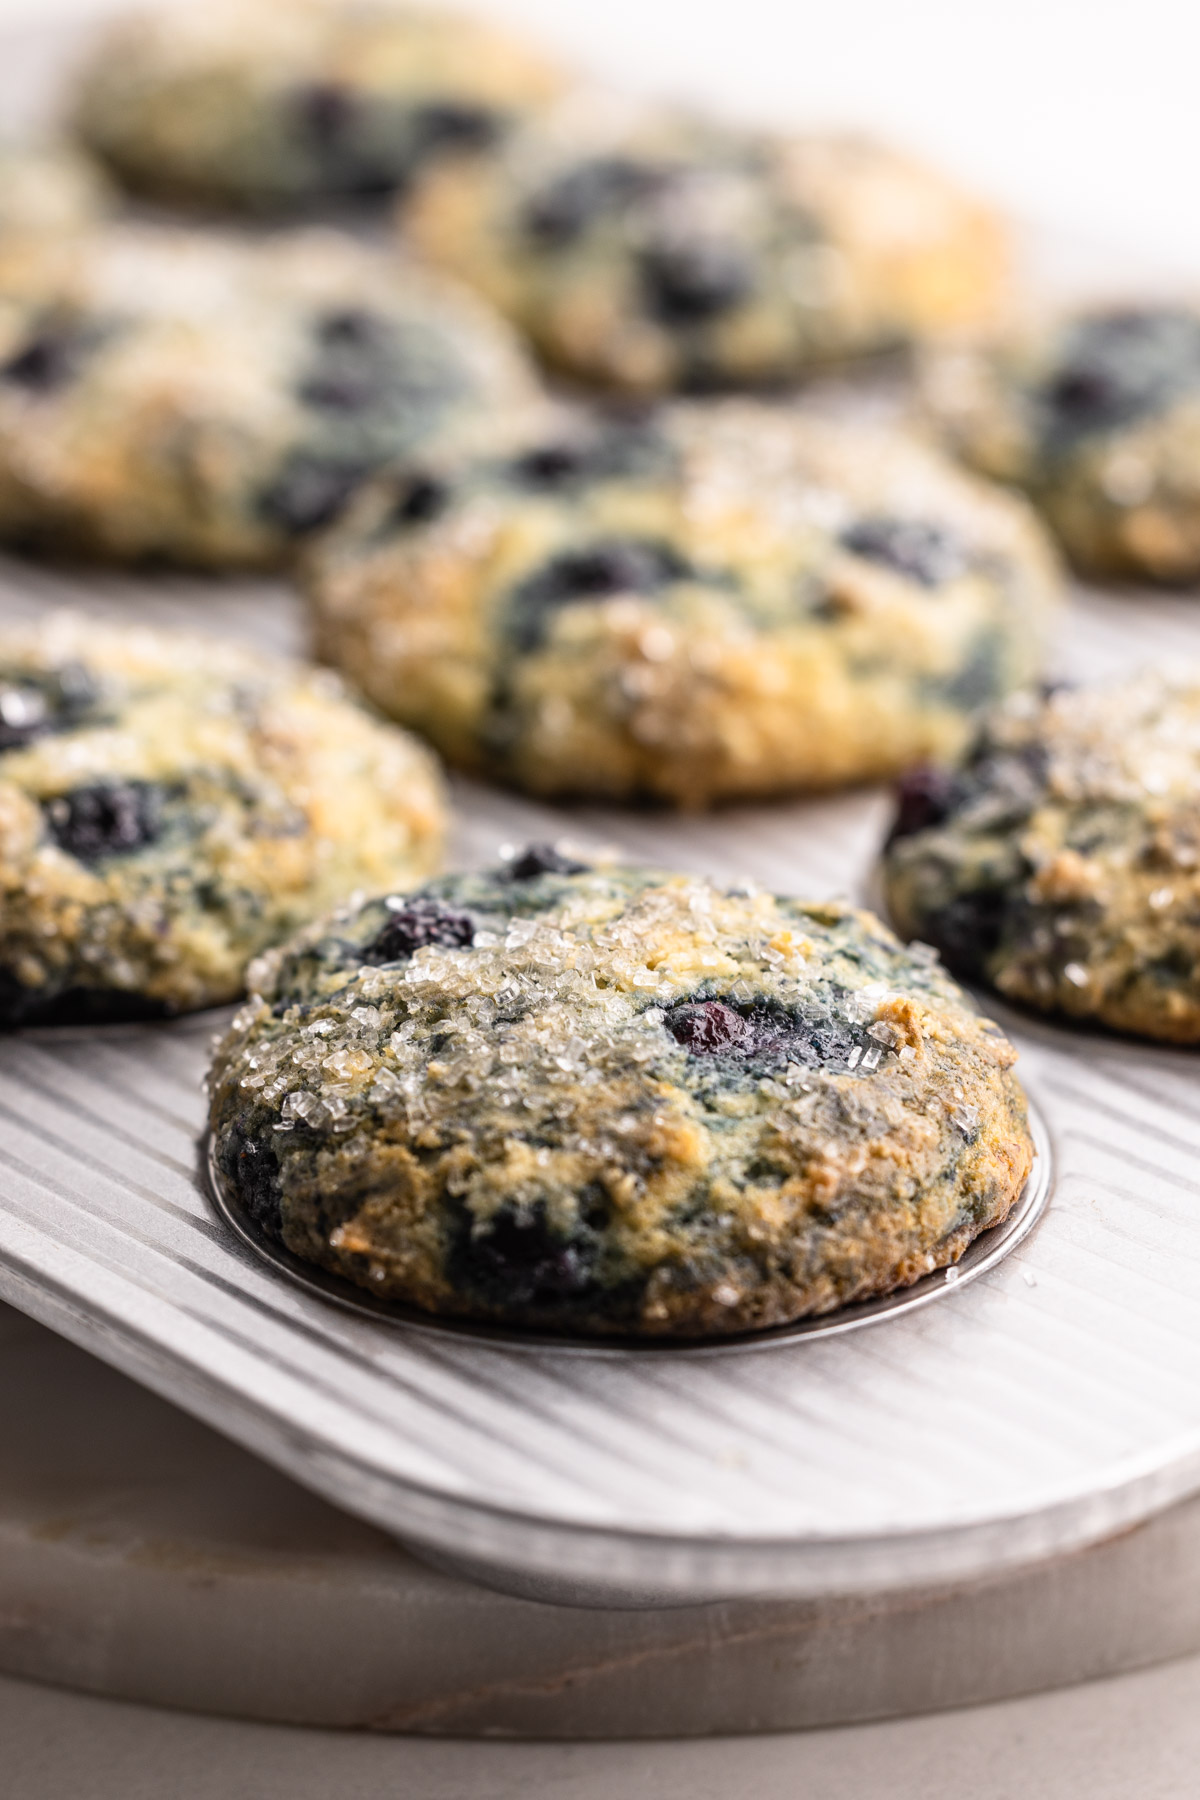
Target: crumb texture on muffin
pixel 169 807
pixel 187 396
pixel 648 250
pixel 575 1095
pixel 1061 862
pixel 710 600
pixel 272 104
pixel 1096 416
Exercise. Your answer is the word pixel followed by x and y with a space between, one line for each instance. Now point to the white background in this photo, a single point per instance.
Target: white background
pixel 1084 113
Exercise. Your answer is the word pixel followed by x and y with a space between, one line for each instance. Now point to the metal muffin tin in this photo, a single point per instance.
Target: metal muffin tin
pixel 1052 1401
pixel 989 1249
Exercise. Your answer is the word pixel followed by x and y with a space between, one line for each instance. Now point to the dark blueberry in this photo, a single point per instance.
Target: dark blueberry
pixel 252 1170
pixel 620 449
pixel 1176 966
pixel 47 361
pixel 968 930
pixel 1000 788
pixel 354 364
pixel 335 128
pixel 615 566
pixel 446 126
pixel 925 552
pixel 708 1027
pixel 925 797
pixel 342 133
pixel 518 1257
pixel 568 207
pixel 310 490
pixel 110 818
pixel 327 115
pixel 550 466
pixel 418 923
pixel 541 859
pixel 389 373
pixel 419 501
pixel 690 283
pixel 1082 398
pixel 353 325
pixel 764 1034
pixel 345 391
pixel 1120 366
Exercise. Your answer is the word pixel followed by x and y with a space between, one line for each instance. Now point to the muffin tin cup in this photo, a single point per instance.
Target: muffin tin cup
pixel 984 1253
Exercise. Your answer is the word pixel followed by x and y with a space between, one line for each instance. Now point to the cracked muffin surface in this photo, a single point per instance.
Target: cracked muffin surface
pixel 269 105
pixel 170 806
pixel 1061 862
pixel 176 395
pixel 599 1099
pixel 709 600
pixel 1096 415
pixel 653 251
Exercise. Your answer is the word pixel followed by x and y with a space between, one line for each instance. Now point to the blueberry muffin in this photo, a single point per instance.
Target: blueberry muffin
pixel 169 807
pixel 48 190
pixel 651 251
pixel 1097 417
pixel 712 600
pixel 606 1099
pixel 170 394
pixel 270 104
pixel 1061 862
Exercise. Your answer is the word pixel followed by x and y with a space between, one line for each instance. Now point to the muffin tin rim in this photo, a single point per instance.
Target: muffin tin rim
pixel 984 1253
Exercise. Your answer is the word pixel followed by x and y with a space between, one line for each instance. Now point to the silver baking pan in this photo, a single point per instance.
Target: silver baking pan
pixel 1046 1398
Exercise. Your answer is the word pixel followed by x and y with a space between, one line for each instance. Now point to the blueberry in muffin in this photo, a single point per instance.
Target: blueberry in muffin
pixel 708 600
pixel 170 807
pixel 566 1094
pixel 175 395
pixel 268 105
pixel 649 250
pixel 1097 417
pixel 1060 862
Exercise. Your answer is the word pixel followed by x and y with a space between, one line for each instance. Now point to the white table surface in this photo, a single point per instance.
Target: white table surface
pixel 1078 113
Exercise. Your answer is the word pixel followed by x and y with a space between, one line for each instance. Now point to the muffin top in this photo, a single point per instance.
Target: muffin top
pixel 695 601
pixel 650 249
pixel 1061 862
pixel 203 398
pixel 276 104
pixel 580 1095
pixel 1096 414
pixel 169 806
